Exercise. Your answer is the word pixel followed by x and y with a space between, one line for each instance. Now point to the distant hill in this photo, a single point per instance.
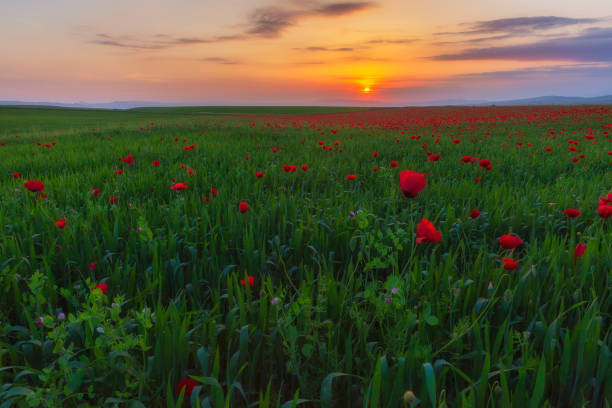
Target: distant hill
pixel 556 100
pixel 540 100
pixel 101 105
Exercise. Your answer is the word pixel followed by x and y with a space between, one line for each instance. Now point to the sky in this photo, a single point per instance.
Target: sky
pixel 307 52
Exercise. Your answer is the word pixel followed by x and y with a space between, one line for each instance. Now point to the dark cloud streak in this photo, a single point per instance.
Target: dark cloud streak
pixel 264 22
pixel 271 21
pixel 519 25
pixel 594 44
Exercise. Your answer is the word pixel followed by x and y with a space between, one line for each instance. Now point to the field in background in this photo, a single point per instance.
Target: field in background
pixel 316 293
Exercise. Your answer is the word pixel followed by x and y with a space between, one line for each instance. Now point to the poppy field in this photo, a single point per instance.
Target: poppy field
pixel 311 257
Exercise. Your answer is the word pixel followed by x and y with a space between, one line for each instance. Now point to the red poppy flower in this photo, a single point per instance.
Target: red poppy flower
pixel 119 171
pixel 468 159
pixel 155 163
pixel 375 154
pixel 259 174
pixel 188 384
pixel 475 213
pixel 393 164
pixel 95 191
pixel 34 186
pixel 510 241
pixel 411 183
pixel 572 213
pixel 434 157
pixel 478 179
pixel 604 210
pixel 350 177
pixel 128 159
pixel 579 251
pixel 102 286
pixel 61 223
pixel 179 186
pixel 509 264
pixel 92 265
pixel 214 191
pixel 15 175
pixel 250 279
pixel 113 199
pixel 243 207
pixel 304 167
pixel 485 163
pixel 426 232
pixel 40 196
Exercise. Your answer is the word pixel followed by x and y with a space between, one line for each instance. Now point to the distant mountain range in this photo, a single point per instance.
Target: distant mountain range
pixel 540 100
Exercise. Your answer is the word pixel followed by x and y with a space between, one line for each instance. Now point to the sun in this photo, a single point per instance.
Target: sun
pixel 366 90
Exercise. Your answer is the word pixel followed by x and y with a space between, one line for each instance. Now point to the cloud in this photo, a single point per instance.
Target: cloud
pixel 263 22
pixel 219 60
pixel 158 41
pixel 593 44
pixel 270 21
pixel 540 73
pixel 318 48
pixel 520 24
pixel 393 41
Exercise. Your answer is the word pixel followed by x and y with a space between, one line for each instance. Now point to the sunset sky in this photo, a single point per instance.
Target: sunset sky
pixel 303 52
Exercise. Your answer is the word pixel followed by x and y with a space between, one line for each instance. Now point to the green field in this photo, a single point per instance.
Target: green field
pixel 345 308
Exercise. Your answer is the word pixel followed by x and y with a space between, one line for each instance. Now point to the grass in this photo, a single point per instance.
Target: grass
pixel 346 308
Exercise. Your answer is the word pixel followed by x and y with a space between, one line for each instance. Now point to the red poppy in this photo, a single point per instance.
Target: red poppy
pixel 434 157
pixel 102 286
pixel 113 199
pixel 510 241
pixel 15 175
pixel 411 183
pixel 304 167
pixel 92 265
pixel 41 196
pixel 61 223
pixel 34 186
pixel 375 154
pixel 188 384
pixel 214 191
pixel 579 251
pixel 485 163
pixel 393 164
pixel 572 213
pixel 95 191
pixel 478 179
pixel 259 174
pixel 128 159
pixel 509 264
pixel 119 171
pixel 179 186
pixel 468 159
pixel 350 177
pixel 155 163
pixel 426 232
pixel 475 213
pixel 250 279
pixel 604 210
pixel 243 207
